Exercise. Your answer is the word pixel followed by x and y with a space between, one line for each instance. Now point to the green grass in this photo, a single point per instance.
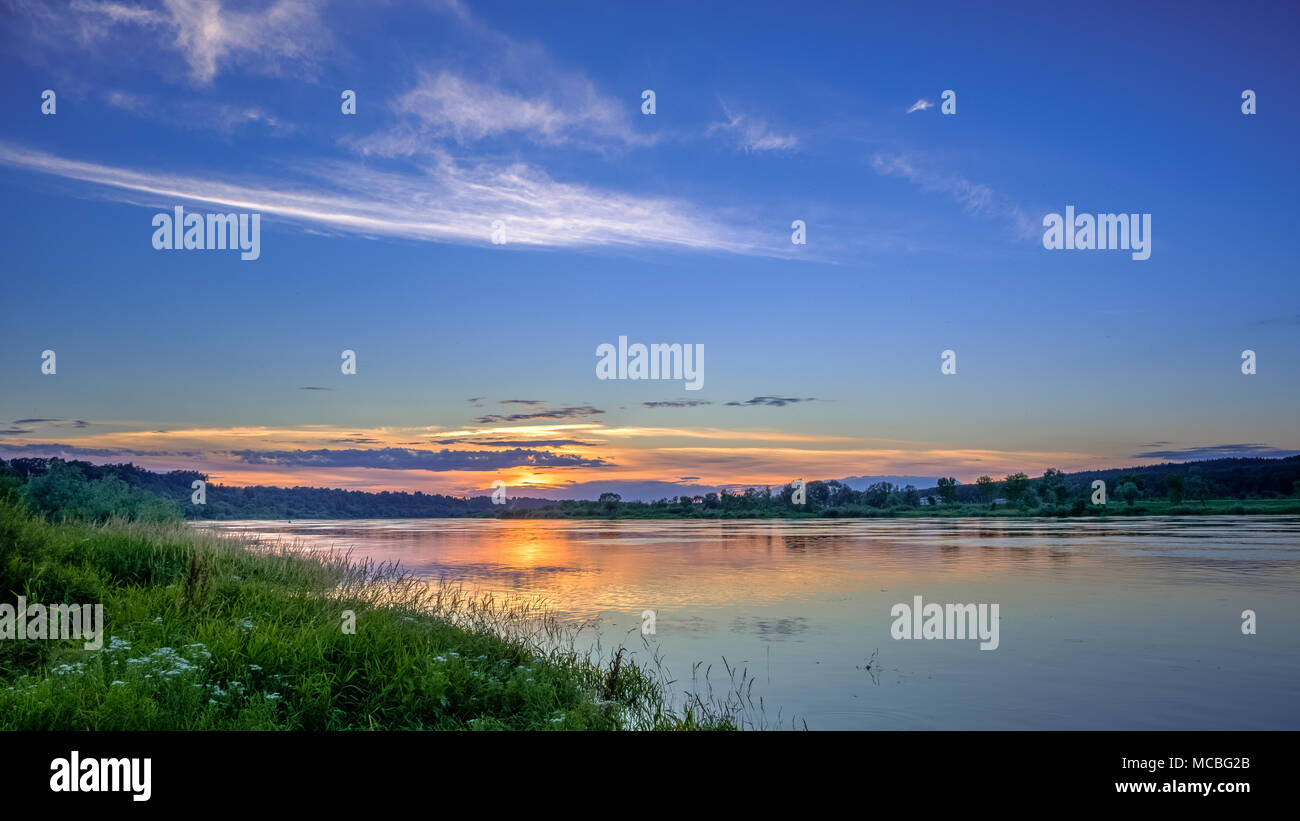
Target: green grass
pixel 207 633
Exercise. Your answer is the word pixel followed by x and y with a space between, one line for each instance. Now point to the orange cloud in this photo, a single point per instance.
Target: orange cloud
pixel 626 453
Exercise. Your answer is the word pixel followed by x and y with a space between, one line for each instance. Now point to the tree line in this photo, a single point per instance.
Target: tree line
pixel 99 491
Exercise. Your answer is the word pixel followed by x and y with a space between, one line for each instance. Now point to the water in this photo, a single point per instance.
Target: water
pixel 1122 624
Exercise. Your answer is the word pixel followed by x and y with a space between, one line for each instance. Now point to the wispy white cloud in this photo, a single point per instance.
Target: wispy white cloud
pixel 208 34
pixel 561 108
pixel 920 105
pixel 751 133
pixel 502 88
pixel 108 13
pixel 976 198
pixel 443 201
pixel 198 114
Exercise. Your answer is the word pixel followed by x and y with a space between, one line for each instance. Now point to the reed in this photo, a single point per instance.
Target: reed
pixel 210 632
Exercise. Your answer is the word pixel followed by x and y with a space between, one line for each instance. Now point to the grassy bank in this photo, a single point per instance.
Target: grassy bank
pixel 206 633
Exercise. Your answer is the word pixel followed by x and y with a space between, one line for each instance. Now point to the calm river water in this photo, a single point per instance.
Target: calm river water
pixel 1119 624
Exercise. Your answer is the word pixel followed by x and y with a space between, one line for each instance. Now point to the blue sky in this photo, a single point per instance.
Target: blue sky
pixel 924 234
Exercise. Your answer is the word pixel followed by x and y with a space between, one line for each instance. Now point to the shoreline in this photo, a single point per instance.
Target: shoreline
pixel 1213 507
pixel 205 631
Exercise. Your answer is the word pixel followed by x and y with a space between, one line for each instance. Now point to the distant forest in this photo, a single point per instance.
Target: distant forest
pixel 57 477
pixel 69 484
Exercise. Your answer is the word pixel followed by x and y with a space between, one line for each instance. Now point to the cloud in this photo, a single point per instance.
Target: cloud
pixel 209 35
pixel 976 198
pixel 521 402
pixel 110 13
pixel 387 458
pixel 66 451
pixel 567 111
pixel 507 89
pixel 920 105
pixel 677 403
pixel 314 388
pixel 76 423
pixel 79 24
pixel 578 412
pixel 410 459
pixel 1245 451
pixel 507 443
pixel 751 133
pixel 772 401
pixel 444 202
pixel 197 114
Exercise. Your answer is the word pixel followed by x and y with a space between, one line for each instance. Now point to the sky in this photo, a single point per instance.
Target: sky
pixel 500 205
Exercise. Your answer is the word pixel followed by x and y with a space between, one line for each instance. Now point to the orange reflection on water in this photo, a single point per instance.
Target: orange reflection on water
pixel 586 567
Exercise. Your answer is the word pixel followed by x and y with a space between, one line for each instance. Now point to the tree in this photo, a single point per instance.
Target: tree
pixel 11 487
pixel 787 495
pixel 948 490
pixel 988 489
pixel 61 489
pixel 1029 499
pixel 911 497
pixel 878 494
pixel 1014 486
pixel 1130 492
pixel 610 501
pixel 841 494
pixel 818 493
pixel 1052 487
pixel 64 491
pixel 1176 487
pixel 1195 487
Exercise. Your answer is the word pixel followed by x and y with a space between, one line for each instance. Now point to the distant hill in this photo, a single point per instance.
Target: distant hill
pixel 629 491
pixel 864 482
pixel 650 491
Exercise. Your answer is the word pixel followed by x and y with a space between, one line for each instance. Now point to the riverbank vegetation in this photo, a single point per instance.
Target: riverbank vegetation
pixel 693 509
pixel 1211 487
pixel 204 632
pixel 1259 487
